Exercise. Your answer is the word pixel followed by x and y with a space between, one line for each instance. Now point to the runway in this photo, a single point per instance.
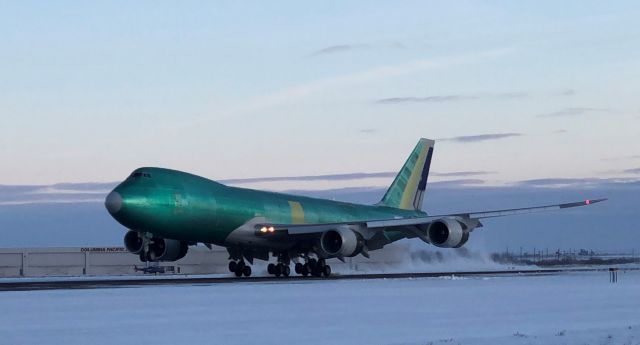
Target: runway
pixel 109 282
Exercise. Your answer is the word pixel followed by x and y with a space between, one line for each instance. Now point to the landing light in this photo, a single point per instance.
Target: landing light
pixel 271 229
pixel 263 229
pixel 587 202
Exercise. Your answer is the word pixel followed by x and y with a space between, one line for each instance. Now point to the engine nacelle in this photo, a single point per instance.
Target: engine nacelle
pixel 133 242
pixel 341 242
pixel 160 249
pixel 447 233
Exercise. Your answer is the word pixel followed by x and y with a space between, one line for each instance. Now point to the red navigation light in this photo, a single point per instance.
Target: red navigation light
pixel 587 202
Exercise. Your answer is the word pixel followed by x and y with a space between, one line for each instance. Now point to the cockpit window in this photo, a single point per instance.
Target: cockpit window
pixel 140 174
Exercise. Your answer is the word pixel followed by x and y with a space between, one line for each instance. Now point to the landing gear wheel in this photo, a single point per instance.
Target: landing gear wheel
pixel 246 271
pixel 143 257
pixel 298 268
pixel 232 266
pixel 312 264
pixel 278 270
pixel 239 269
pixel 304 270
pixel 327 271
pixel 286 271
pixel 271 269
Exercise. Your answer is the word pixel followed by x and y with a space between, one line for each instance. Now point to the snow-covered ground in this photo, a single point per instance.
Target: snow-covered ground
pixel 574 308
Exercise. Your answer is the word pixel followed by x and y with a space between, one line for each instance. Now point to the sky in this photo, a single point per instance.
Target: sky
pixel 513 91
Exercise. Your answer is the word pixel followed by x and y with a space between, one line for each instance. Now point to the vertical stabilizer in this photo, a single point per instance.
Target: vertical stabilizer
pixel 407 190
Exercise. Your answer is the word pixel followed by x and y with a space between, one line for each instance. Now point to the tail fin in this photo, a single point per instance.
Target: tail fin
pixel 407 190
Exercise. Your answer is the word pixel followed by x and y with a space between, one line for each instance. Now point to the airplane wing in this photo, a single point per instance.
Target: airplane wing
pixel 404 223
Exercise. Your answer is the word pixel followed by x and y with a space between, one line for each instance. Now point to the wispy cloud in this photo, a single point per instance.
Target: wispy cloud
pixel 462 173
pixel 613 159
pixel 427 99
pixel 481 137
pixel 575 182
pixel 632 171
pixel 560 131
pixel 340 48
pixel 576 111
pixel 472 96
pixel 308 89
pixel 330 177
pixel 368 130
pixel 451 98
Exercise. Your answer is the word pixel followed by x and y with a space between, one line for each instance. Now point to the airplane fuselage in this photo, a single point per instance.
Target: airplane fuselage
pixel 181 206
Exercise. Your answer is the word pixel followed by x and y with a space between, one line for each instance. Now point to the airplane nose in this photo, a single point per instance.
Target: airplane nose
pixel 113 202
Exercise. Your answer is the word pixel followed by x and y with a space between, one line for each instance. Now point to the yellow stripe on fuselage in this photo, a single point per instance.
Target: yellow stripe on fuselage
pixel 297 213
pixel 411 187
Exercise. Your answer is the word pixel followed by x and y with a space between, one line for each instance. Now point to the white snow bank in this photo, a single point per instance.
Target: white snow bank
pixel 577 308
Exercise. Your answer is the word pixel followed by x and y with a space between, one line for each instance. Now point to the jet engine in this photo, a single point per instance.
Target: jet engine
pixel 447 233
pixel 133 242
pixel 160 249
pixel 341 242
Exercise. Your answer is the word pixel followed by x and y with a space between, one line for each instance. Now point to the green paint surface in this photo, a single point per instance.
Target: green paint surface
pixel 178 205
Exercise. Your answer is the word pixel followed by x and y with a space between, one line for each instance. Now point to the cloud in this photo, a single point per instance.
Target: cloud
pixel 340 48
pixel 613 159
pixel 347 176
pixel 305 90
pixel 456 183
pixel 462 173
pixel 330 177
pixel 428 99
pixel 576 111
pixel 632 171
pixel 568 92
pixel 576 182
pixel 560 131
pixel 481 137
pixel 368 130
pixel 452 98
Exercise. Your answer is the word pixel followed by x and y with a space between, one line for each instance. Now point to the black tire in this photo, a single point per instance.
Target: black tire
pixel 305 270
pixel 286 271
pixel 321 263
pixel 143 257
pixel 232 266
pixel 271 269
pixel 298 268
pixel 312 264
pixel 246 271
pixel 327 271
pixel 316 272
pixel 238 273
pixel 278 270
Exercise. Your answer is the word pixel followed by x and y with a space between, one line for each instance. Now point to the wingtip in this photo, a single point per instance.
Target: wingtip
pixel 594 201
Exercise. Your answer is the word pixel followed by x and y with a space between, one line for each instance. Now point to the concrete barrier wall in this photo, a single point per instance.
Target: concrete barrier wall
pixel 77 261
pixel 72 261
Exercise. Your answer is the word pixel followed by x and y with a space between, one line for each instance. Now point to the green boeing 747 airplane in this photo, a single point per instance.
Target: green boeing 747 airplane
pixel 167 211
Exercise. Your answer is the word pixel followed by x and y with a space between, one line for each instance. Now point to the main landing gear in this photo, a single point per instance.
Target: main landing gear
pixel 316 268
pixel 279 269
pixel 311 267
pixel 239 268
